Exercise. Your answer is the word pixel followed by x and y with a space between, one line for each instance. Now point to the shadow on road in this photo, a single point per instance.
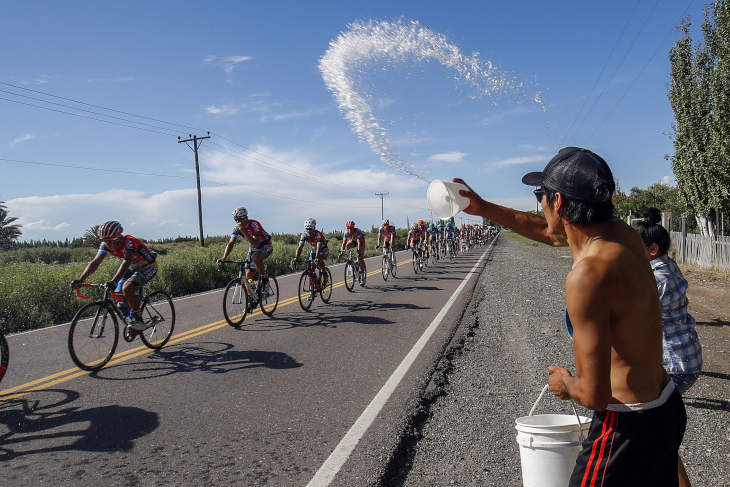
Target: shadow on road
pixel 46 421
pixel 212 357
pixel 715 322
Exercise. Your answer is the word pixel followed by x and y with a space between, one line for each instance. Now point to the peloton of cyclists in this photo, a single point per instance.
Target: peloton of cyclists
pixel 138 267
pixel 318 242
pixel 259 240
pixel 387 231
pixel 353 237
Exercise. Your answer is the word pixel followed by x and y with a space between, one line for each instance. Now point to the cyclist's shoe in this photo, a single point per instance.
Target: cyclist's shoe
pixel 137 324
pixel 265 285
pixel 363 276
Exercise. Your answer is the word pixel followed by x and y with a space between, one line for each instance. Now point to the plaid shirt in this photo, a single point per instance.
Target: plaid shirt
pixel 682 349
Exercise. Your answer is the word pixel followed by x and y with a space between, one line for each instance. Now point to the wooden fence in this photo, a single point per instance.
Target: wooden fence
pixel 706 252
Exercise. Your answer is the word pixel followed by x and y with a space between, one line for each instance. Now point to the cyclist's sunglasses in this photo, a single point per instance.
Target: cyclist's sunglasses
pixel 239 219
pixel 539 193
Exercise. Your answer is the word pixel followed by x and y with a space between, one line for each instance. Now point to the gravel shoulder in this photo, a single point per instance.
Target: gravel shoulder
pixel 496 366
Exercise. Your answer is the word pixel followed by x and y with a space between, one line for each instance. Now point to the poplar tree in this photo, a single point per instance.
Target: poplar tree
pixel 699 93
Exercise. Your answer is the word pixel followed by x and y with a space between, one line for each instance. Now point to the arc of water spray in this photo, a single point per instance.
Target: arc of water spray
pixel 399 41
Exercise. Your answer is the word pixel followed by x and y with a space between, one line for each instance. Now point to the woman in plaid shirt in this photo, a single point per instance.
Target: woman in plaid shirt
pixel 682 349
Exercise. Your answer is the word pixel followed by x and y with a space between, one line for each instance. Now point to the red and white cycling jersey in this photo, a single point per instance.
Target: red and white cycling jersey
pixel 130 245
pixel 388 232
pixel 254 229
pixel 314 239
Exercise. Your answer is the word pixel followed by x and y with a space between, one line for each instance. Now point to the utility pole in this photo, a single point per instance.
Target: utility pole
pixel 196 144
pixel 382 215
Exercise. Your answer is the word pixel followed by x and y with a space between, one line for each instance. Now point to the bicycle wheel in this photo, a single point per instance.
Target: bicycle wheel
pixel 306 291
pixel 326 292
pixel 235 303
pixel 158 312
pixel 393 265
pixel 434 255
pixel 269 298
pixel 384 268
pixel 415 262
pixel 93 336
pixel 350 276
pixel 4 355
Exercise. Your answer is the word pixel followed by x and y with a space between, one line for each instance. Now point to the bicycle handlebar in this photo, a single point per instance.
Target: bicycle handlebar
pixel 78 292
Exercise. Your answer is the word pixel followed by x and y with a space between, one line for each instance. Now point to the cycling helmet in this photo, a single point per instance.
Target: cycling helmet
pixel 386 222
pixel 350 224
pixel 431 225
pixel 448 224
pixel 310 224
pixel 420 222
pixel 110 230
pixel 240 212
pixel 414 226
pixel 441 225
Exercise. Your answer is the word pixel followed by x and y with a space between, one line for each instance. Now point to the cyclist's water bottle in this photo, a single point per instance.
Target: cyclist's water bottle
pixel 357 266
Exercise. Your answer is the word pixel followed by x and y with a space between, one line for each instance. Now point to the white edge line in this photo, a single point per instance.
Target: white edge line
pixel 326 473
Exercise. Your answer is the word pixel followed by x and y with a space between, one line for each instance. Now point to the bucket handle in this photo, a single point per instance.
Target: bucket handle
pixel 572 403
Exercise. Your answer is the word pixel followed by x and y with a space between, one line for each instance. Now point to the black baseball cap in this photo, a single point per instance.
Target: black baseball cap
pixel 577 174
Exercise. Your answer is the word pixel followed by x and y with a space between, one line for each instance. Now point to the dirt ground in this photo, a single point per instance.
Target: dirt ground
pixel 709 303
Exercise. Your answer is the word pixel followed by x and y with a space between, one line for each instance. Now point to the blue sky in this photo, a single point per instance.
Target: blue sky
pixel 282 142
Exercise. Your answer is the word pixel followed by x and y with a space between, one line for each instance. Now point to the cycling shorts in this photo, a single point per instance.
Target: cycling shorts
pixel 267 250
pixel 323 253
pixel 139 276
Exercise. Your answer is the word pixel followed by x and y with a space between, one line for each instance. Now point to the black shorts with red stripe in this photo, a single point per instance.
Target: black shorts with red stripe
pixel 633 448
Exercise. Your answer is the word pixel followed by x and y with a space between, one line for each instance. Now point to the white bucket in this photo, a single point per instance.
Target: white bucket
pixel 444 198
pixel 549 446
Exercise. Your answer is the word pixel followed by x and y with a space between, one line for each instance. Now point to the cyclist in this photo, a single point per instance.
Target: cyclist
pixel 415 237
pixel 318 243
pixel 433 236
pixel 424 236
pixel 138 267
pixel 353 237
pixel 387 231
pixel 259 240
pixel 449 234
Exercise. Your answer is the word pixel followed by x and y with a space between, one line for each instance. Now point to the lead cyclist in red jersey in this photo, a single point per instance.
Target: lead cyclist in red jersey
pixel 138 266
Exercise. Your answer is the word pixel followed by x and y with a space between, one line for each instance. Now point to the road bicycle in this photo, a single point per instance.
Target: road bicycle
pixel 433 250
pixel 442 248
pixel 389 266
pixel 242 295
pixel 352 270
pixel 4 355
pixel 94 332
pixel 418 258
pixel 451 248
pixel 312 282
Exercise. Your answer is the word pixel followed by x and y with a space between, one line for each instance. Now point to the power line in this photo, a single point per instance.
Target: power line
pixel 602 70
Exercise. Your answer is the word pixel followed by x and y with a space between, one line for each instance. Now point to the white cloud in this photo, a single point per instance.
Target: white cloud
pixel 22 139
pixel 511 161
pixel 448 157
pixel 668 180
pixel 228 64
pixel 280 193
pixel 222 110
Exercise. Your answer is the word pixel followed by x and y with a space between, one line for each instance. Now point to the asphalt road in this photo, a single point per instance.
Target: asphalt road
pixel 303 398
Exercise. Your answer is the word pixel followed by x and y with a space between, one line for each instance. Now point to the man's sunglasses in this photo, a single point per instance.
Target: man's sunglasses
pixel 539 193
pixel 238 219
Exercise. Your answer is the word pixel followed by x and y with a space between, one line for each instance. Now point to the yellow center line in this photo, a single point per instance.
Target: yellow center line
pixel 69 374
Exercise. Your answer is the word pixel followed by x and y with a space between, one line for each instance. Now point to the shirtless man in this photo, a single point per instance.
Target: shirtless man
pixel 613 307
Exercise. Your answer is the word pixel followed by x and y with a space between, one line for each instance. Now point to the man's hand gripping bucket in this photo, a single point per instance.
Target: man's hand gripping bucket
pixel 549 445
